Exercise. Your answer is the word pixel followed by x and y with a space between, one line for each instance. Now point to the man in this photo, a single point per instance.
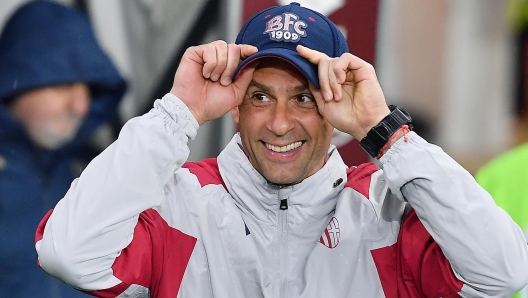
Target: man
pixel 56 87
pixel 278 214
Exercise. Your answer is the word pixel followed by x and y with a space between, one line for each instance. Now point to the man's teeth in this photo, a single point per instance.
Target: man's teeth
pixel 284 148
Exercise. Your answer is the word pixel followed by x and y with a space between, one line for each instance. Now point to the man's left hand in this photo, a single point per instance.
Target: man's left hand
pixel 350 98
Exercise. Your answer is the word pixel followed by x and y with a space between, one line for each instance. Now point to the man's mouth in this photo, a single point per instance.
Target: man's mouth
pixel 285 148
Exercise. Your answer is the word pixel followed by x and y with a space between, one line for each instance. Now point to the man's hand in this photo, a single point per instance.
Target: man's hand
pixel 203 78
pixel 350 98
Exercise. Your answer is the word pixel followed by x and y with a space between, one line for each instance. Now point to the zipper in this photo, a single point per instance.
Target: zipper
pixel 282 225
pixel 284 204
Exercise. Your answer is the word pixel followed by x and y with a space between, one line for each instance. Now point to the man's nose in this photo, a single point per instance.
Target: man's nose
pixel 281 119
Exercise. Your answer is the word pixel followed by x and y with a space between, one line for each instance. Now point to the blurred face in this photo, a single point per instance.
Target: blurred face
pixel 53 115
pixel 281 129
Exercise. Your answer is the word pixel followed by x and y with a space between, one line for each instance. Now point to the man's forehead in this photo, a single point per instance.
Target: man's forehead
pixel 272 88
pixel 269 65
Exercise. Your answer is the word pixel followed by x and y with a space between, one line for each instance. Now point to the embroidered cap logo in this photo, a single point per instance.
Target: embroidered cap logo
pixel 286 27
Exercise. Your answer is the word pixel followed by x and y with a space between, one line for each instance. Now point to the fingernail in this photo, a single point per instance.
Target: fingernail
pixel 327 95
pixel 215 77
pixel 207 75
pixel 336 96
pixel 226 81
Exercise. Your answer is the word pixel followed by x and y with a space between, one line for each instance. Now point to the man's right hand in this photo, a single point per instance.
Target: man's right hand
pixel 203 78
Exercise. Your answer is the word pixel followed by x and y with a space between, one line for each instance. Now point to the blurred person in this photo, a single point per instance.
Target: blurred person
pixel 506 179
pixel 56 87
pixel 278 213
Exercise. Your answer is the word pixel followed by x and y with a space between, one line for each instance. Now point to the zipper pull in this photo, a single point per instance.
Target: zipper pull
pixel 284 204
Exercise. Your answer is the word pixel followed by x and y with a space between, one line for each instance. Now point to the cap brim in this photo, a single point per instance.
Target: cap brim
pixel 306 67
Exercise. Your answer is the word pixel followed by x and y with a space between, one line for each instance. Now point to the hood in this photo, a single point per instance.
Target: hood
pixel 45 43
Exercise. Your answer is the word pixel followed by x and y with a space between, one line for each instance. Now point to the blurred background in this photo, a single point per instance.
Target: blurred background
pixel 459 67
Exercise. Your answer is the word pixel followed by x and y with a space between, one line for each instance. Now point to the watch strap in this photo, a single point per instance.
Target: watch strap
pixel 380 134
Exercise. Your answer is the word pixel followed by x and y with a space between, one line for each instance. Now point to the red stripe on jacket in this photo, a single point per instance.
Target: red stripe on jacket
pixel 415 266
pixel 156 258
pixel 206 171
pixel 359 178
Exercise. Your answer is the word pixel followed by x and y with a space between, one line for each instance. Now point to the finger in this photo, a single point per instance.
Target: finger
pixel 338 75
pixel 322 60
pixel 335 85
pixel 233 59
pixel 319 100
pixel 221 59
pixel 341 70
pixel 311 55
pixel 246 75
pixel 360 69
pixel 247 50
pixel 324 79
pixel 244 78
pixel 207 53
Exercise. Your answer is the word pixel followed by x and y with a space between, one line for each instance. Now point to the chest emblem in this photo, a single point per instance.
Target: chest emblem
pixel 330 237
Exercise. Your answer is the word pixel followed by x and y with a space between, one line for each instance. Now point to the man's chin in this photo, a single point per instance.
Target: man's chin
pixel 282 180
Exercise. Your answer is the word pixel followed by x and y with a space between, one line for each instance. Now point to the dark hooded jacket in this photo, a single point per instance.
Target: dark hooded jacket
pixel 44 44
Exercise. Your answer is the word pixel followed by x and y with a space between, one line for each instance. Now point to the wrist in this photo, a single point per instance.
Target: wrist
pixel 374 122
pixel 382 135
pixel 402 132
pixel 194 114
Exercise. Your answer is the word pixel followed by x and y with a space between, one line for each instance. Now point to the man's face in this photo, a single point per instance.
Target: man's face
pixel 53 115
pixel 281 129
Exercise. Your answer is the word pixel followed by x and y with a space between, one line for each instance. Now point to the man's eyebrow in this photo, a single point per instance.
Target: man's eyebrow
pixel 260 86
pixel 299 88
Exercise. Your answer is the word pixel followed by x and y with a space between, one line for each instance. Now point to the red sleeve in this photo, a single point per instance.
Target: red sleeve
pixel 158 254
pixel 417 262
pixel 156 258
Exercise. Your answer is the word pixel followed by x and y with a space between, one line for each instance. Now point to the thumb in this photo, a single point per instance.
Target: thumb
pixel 245 76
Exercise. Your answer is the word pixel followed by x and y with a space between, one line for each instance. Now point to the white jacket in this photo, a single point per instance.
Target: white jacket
pixel 139 222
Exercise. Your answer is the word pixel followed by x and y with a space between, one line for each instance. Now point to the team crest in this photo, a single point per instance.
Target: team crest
pixel 286 27
pixel 330 237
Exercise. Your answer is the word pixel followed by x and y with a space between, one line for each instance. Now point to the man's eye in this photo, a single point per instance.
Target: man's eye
pixel 261 97
pixel 305 99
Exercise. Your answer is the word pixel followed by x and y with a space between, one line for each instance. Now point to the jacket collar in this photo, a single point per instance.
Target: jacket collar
pixel 308 201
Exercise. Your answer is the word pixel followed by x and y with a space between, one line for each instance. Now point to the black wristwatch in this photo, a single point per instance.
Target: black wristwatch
pixel 380 134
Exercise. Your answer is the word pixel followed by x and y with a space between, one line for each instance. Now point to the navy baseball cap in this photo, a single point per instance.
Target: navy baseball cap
pixel 278 30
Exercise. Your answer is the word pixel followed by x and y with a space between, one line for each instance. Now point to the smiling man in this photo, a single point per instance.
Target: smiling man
pixel 282 132
pixel 278 213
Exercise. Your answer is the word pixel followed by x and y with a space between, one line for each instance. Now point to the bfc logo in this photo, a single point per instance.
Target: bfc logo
pixel 286 27
pixel 330 237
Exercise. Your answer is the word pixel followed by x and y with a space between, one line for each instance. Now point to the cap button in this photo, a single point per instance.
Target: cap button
pixel 295 3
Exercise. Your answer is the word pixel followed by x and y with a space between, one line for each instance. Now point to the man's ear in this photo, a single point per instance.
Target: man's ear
pixel 235 114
